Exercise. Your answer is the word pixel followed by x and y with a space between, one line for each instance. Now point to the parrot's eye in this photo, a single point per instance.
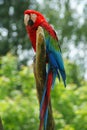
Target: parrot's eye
pixel 30 22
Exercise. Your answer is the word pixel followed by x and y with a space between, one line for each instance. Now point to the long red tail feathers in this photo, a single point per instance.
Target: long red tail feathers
pixel 46 99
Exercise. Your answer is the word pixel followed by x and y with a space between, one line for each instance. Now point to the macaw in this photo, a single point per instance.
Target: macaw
pixel 33 19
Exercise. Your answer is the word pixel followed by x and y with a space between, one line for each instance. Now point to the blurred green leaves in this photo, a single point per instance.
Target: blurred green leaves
pixel 18 103
pixel 69 107
pixel 19 106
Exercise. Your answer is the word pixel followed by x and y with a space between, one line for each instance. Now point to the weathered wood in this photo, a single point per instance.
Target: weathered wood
pixel 1 126
pixel 40 73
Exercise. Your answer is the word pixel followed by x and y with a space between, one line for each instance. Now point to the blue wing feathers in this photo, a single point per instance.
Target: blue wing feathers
pixel 56 61
pixel 56 65
pixel 45 119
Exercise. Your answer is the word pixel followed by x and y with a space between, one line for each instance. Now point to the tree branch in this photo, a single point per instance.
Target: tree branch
pixel 40 73
pixel 1 126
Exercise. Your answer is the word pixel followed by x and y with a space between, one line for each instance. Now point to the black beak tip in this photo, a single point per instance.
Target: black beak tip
pixel 30 22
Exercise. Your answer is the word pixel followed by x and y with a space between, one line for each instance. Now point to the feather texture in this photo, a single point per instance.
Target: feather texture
pixel 54 60
pixel 55 67
pixel 45 100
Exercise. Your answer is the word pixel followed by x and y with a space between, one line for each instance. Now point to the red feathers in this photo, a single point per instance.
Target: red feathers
pixel 40 21
pixel 46 99
pixel 32 35
pixel 31 30
pixel 49 29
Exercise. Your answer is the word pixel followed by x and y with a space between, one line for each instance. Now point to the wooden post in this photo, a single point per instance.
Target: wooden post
pixel 40 72
pixel 1 126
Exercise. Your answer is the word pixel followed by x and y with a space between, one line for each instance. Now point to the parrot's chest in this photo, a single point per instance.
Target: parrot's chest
pixel 32 36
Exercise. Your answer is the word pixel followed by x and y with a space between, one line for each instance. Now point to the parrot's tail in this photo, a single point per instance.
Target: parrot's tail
pixel 45 100
pixel 55 68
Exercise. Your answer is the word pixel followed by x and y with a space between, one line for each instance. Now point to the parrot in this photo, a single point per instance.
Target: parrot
pixel 32 20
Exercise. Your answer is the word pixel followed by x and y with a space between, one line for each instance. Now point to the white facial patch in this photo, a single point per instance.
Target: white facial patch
pixel 33 17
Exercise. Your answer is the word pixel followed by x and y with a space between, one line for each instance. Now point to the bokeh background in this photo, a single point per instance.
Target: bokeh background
pixel 19 108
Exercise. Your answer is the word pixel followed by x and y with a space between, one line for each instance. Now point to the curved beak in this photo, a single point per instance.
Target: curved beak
pixel 26 19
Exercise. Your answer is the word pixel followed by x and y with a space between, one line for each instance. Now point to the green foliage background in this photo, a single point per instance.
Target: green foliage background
pixel 19 106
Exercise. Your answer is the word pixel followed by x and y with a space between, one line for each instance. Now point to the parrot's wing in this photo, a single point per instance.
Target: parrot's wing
pixel 49 29
pixel 52 33
pixel 56 60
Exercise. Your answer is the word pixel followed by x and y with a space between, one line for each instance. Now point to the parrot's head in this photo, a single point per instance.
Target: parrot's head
pixel 29 19
pixel 32 16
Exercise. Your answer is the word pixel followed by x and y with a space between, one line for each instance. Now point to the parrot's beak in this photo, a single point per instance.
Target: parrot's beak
pixel 26 19
pixel 29 19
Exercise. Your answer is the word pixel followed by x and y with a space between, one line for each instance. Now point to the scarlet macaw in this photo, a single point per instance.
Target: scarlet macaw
pixel 32 20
